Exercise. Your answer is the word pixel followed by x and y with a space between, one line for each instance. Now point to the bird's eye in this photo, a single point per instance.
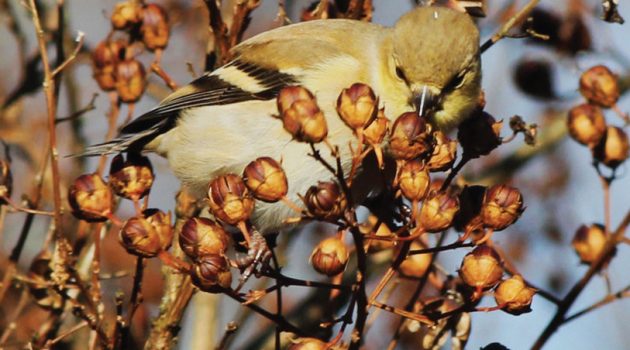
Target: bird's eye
pixel 401 74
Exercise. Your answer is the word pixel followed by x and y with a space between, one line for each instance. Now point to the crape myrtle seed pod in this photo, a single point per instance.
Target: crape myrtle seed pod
pixel 410 136
pixel 437 212
pixel 300 115
pixel 481 268
pixel 416 265
pixel 131 178
pixel 131 80
pixel 6 180
pixel 586 124
pixel 375 133
pixel 534 77
pixel 211 273
pixel 202 236
pixel 589 242
pixel 325 201
pixel 613 148
pixel 330 257
pixel 126 14
pixel 502 206
pixel 266 179
pixel 90 198
pixel 469 218
pixel 308 344
pixel 599 86
pixel 479 135
pixel 105 57
pixel 149 235
pixel 514 296
pixel 444 153
pixel 357 106
pixel 154 28
pixel 229 199
pixel 414 180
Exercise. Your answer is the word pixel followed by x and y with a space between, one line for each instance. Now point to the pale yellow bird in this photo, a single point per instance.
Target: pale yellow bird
pixel 221 121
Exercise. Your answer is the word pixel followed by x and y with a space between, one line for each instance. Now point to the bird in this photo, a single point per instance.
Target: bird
pixel 427 62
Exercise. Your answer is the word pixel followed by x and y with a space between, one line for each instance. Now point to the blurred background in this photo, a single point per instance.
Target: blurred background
pixel 521 77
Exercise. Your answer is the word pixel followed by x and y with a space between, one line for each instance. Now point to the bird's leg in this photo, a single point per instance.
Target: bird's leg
pixel 257 254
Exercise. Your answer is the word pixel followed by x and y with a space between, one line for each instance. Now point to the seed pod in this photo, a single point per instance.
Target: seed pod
pixel 130 80
pixel 376 131
pixel 357 106
pixel 154 28
pixel 414 180
pixel 211 273
pixel 444 153
pixel 481 268
pixel 438 212
pixel 479 135
pixel 308 344
pixel 6 180
pixel 40 273
pixel 325 201
pixel 266 180
pixel 104 59
pixel 514 296
pixel 369 228
pixel 229 199
pixel 599 86
pixel 201 236
pixel 469 219
pixel 586 124
pixel 126 14
pixel 147 236
pixel 186 205
pixel 300 115
pixel 415 266
pixel 534 78
pixel 589 242
pixel 613 148
pixel 330 257
pixel 502 206
pixel 410 137
pixel 90 198
pixel 131 178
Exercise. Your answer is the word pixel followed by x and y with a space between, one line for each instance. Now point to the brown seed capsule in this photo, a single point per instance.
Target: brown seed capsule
pixel 376 131
pixel 502 206
pixel 105 58
pixel 410 136
pixel 330 257
pixel 613 148
pixel 186 205
pixel 586 124
pixel 589 242
pixel 308 344
pixel 300 115
pixel 438 212
pixel 91 198
pixel 599 86
pixel 147 236
pixel 229 199
pixel 369 228
pixel 414 180
pixel 211 273
pixel 40 274
pixel 444 153
pixel 154 28
pixel 201 236
pixel 130 80
pixel 469 219
pixel 126 14
pixel 416 265
pixel 534 78
pixel 6 180
pixel 357 106
pixel 481 268
pixel 514 296
pixel 325 201
pixel 131 178
pixel 479 135
pixel 266 179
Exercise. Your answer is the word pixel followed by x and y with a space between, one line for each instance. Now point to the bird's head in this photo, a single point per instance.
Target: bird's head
pixel 436 54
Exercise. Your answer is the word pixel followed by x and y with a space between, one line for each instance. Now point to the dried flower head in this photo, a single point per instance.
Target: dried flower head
pixel 266 180
pixel 300 114
pixel 599 86
pixel 90 198
pixel 357 106
pixel 229 199
pixel 325 201
pixel 330 257
pixel 202 236
pixel 479 135
pixel 131 178
pixel 589 242
pixel 126 14
pixel 131 80
pixel 410 136
pixel 438 212
pixel 481 268
pixel 416 265
pixel 211 273
pixel 502 206
pixel 514 296
pixel 414 180
pixel 586 124
pixel 613 148
pixel 154 28
pixel 444 153
pixel 147 235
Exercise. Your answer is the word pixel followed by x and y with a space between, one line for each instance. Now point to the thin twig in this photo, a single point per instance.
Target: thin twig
pixel 507 26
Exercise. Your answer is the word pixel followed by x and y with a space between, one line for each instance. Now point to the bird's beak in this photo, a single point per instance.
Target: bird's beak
pixel 425 100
